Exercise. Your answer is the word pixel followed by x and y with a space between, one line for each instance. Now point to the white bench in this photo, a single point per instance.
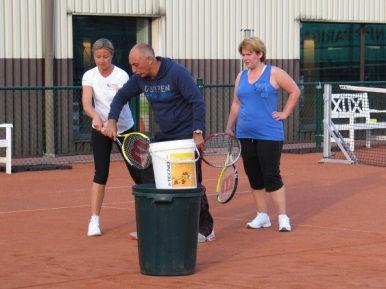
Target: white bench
pixel 7 144
pixel 351 112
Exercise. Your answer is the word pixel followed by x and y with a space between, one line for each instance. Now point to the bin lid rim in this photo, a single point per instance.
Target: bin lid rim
pixel 154 195
pixel 150 188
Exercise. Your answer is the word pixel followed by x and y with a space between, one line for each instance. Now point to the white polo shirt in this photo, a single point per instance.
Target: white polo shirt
pixel 104 89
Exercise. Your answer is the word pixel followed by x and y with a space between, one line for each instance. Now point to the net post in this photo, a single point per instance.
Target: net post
pixel 49 121
pixel 326 120
pixel 330 130
pixel 319 116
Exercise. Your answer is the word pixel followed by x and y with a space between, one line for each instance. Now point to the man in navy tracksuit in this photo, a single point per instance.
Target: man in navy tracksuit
pixel 178 106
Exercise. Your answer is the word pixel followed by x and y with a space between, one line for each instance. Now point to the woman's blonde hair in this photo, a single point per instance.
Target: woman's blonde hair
pixel 253 44
pixel 103 43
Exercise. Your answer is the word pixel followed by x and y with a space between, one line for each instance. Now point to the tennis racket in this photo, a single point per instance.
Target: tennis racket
pixel 221 150
pixel 227 184
pixel 135 149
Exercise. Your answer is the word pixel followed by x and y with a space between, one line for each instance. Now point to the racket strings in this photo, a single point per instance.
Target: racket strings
pixel 136 149
pixel 222 150
pixel 227 184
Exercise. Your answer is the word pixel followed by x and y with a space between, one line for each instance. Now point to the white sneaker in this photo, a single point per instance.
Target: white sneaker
pixel 133 235
pixel 261 221
pixel 94 228
pixel 202 239
pixel 284 223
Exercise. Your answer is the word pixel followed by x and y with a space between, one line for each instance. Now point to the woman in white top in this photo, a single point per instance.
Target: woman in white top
pixel 100 84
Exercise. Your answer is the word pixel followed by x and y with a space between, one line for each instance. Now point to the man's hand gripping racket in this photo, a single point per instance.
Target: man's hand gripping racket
pixel 222 151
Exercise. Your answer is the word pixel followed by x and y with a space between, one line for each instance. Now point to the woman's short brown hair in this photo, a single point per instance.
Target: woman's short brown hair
pixel 253 44
pixel 103 43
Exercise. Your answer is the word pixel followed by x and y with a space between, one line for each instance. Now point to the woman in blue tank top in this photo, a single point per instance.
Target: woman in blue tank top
pixel 255 120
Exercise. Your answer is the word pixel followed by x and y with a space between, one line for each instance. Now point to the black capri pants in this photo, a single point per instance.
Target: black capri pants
pixel 101 147
pixel 261 159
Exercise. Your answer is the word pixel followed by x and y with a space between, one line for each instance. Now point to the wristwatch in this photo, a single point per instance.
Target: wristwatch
pixel 197 131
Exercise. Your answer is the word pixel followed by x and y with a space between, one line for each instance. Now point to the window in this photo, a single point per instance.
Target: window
pixel 338 52
pixel 123 32
pixel 375 53
pixel 333 52
pixel 330 52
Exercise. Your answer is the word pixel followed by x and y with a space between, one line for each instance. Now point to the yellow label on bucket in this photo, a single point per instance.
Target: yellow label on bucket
pixel 183 170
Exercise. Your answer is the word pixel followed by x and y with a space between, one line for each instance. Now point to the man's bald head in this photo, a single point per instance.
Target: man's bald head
pixel 143 49
pixel 143 61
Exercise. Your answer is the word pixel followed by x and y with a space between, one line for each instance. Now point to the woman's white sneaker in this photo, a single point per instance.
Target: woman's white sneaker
pixel 261 221
pixel 284 223
pixel 94 228
pixel 202 239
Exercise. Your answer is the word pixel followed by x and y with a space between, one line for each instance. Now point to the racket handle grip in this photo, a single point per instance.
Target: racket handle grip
pixel 198 154
pixel 118 141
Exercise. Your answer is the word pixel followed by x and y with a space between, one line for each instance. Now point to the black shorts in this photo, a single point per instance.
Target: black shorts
pixel 101 147
pixel 261 159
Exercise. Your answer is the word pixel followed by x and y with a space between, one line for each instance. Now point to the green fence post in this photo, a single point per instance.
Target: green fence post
pixel 201 84
pixel 135 107
pixel 319 116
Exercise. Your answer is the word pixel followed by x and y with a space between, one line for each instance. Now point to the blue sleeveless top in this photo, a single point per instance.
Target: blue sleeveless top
pixel 257 102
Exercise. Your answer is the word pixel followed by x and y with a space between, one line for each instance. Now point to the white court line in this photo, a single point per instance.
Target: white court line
pixel 119 187
pixel 115 208
pixel 42 210
pixel 89 189
pixel 315 227
pixel 108 206
pixel 82 206
pixel 341 229
pixel 220 218
pixel 56 208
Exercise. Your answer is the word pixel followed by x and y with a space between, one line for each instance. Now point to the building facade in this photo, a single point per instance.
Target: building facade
pixel 203 34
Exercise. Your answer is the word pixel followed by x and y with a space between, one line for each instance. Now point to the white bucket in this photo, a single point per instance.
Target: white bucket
pixel 174 164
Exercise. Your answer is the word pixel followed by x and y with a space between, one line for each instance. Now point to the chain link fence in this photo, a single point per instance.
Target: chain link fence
pixel 303 129
pixel 50 129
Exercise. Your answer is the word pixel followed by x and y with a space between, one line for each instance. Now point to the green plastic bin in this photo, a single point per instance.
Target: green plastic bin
pixel 167 228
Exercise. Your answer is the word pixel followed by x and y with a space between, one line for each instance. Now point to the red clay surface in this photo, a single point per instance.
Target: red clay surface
pixel 338 238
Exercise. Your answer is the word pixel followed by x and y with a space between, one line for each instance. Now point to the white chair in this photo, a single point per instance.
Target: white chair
pixel 7 144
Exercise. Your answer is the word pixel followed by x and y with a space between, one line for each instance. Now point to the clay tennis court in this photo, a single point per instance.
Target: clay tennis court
pixel 338 238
